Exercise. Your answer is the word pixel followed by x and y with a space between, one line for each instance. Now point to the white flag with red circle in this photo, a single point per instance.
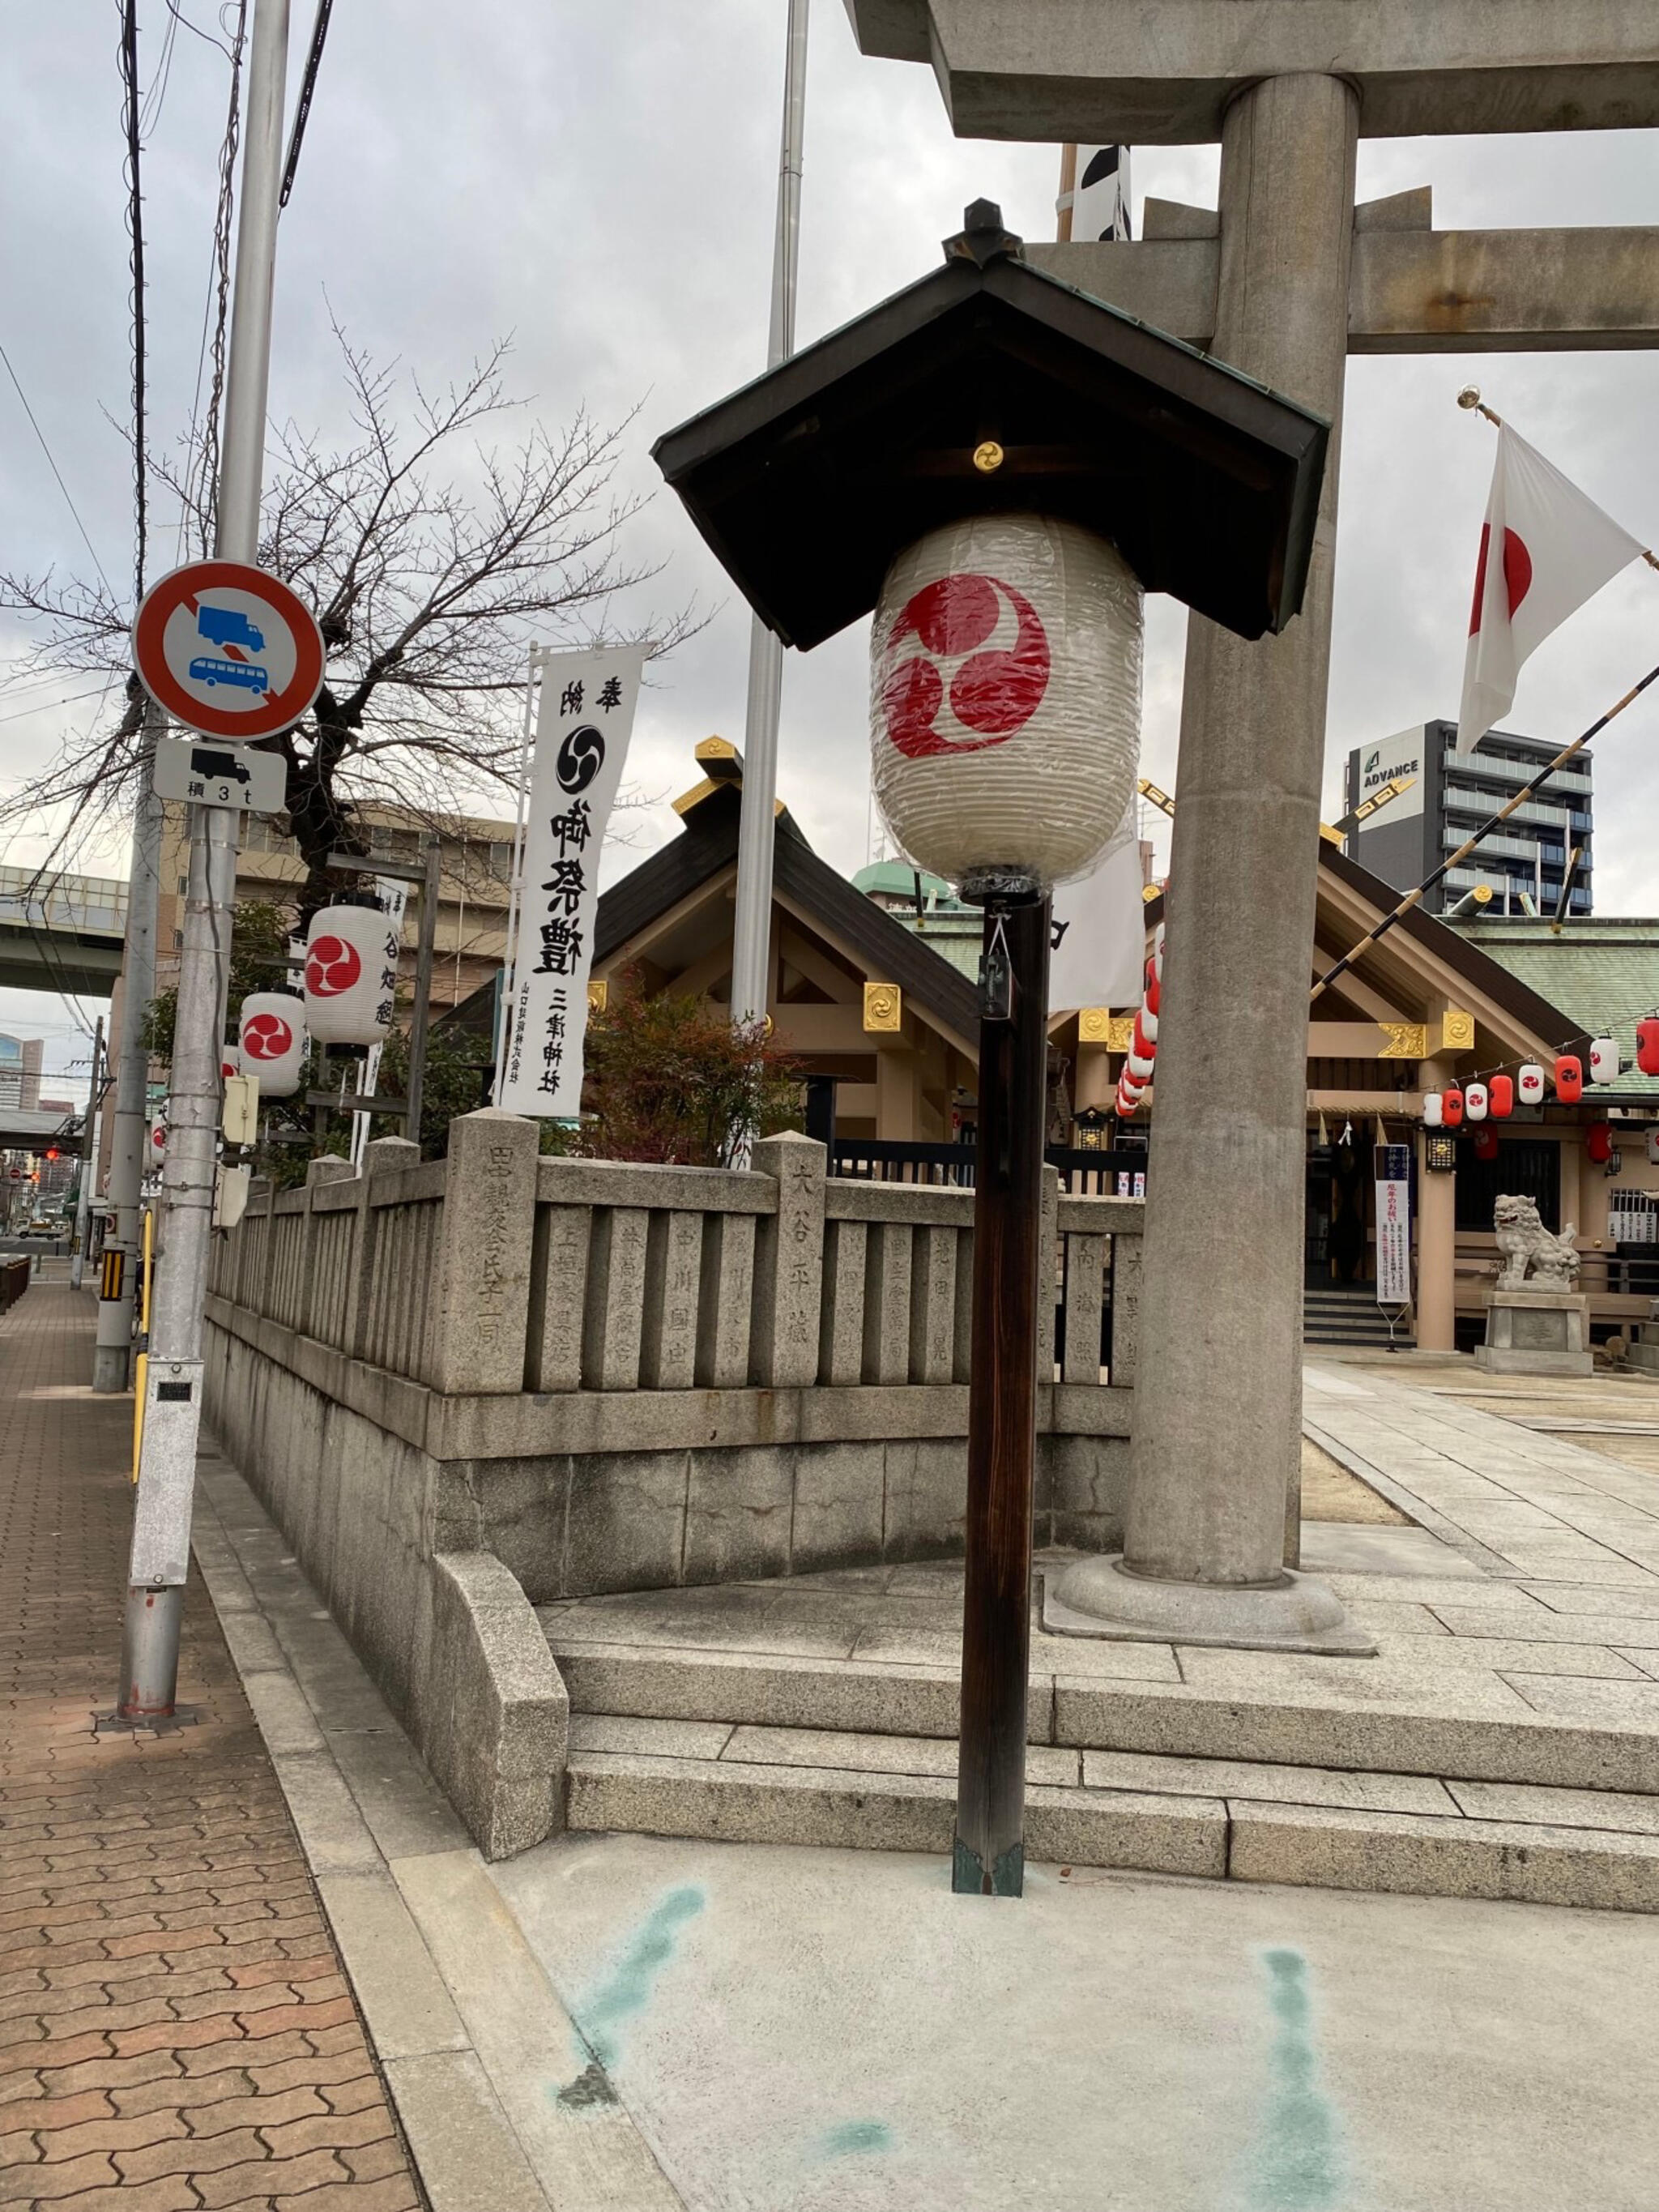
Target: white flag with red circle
pixel 1544 551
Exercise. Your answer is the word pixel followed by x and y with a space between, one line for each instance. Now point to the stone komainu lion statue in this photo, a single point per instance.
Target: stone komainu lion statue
pixel 1531 1258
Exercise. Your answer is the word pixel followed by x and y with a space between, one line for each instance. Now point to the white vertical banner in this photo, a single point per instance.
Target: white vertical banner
pixel 1394 1223
pixel 394 895
pixel 1100 928
pixel 582 731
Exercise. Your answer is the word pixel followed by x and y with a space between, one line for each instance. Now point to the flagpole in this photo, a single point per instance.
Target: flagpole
pixel 1470 399
pixel 1484 830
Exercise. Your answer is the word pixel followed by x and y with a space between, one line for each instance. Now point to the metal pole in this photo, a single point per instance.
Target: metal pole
pixel 418 1021
pixel 1010 1313
pixel 752 920
pixel 112 1357
pixel 173 1411
pixel 89 1155
pixel 515 891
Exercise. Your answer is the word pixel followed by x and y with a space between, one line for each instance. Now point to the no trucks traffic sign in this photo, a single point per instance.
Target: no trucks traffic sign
pixel 228 650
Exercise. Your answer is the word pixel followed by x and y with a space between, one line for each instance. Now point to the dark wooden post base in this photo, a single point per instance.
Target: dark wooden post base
pixel 988 1857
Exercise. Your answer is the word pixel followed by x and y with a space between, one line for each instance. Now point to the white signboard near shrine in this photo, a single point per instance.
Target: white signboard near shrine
pixel 582 731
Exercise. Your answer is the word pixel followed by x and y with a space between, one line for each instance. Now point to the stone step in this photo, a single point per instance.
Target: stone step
pixel 1222 1819
pixel 1344 1715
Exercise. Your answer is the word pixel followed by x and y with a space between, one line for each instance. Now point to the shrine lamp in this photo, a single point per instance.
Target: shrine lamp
pixel 997 466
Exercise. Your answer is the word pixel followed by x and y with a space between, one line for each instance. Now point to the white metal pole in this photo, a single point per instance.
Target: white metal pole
pixel 112 1355
pixel 753 921
pixel 173 1411
pixel 89 1162
pixel 515 891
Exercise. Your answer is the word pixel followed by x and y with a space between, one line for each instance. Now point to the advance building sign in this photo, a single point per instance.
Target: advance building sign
pixel 1391 761
pixel 582 730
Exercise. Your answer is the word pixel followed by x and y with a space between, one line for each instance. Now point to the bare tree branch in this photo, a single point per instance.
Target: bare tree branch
pixel 428 597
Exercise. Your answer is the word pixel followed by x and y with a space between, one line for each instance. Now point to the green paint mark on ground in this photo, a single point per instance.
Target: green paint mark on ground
pixel 853 2136
pixel 1297 2164
pixel 626 1992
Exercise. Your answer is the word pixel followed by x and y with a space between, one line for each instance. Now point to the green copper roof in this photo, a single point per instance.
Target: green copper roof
pixel 1603 973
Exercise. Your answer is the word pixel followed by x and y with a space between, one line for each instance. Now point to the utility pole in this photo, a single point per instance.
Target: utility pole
pixel 112 1357
pixel 752 920
pixel 88 1161
pixel 173 1411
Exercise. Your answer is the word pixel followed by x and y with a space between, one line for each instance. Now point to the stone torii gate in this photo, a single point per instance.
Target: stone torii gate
pixel 1283 283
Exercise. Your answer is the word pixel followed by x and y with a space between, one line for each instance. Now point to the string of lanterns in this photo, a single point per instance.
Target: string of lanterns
pixel 1143 1041
pixel 351 977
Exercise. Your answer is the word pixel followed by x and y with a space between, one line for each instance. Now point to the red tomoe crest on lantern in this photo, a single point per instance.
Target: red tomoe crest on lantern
pixel 1568 1079
pixel 1598 1142
pixel 266 1036
pixel 1530 1083
pixel 332 966
pixel 971 641
pixel 1485 1142
pixel 1451 1106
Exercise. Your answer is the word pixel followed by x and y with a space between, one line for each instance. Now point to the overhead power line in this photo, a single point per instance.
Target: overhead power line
pixel 129 52
pixel 56 471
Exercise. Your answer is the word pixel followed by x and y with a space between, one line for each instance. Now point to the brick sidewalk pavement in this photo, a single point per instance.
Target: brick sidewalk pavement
pixel 175 2026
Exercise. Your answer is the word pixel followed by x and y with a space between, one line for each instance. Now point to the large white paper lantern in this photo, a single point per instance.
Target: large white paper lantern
pixel 1005 708
pixel 1604 1060
pixel 1475 1102
pixel 351 974
pixel 1530 1083
pixel 272 1029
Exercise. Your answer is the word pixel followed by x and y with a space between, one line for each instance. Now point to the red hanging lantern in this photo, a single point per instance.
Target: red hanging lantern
pixel 1143 1042
pixel 1598 1142
pixel 1500 1097
pixel 1568 1079
pixel 1647 1044
pixel 1485 1142
pixel 1451 1106
pixel 1154 991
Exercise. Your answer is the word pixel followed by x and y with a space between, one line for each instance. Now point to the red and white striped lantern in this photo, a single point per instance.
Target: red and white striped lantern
pixel 1529 1084
pixel 1569 1079
pixel 1604 1060
pixel 272 1027
pixel 351 975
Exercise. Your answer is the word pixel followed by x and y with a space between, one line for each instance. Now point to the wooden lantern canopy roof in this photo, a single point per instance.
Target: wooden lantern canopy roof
pixel 806 483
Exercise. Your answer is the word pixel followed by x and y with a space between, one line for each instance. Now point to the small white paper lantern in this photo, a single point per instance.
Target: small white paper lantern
pixel 351 974
pixel 1475 1102
pixel 272 1027
pixel 1529 1084
pixel 1604 1060
pixel 1433 1112
pixel 158 1142
pixel 1004 706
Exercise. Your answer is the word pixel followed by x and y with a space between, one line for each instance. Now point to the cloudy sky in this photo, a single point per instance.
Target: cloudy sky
pixel 599 181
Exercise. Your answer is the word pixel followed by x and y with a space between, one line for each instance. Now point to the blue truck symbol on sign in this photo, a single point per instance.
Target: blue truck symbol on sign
pixel 227 626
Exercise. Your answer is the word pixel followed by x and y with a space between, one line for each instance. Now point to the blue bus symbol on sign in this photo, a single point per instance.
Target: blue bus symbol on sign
pixel 230 627
pixel 246 674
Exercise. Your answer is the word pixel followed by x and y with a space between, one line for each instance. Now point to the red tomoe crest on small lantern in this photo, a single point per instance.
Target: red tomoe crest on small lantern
pixel 1485 1142
pixel 995 655
pixel 1530 1083
pixel 1451 1106
pixel 266 1036
pixel 1568 1079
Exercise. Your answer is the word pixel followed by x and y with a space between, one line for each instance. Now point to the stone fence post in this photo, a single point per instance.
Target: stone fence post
pixel 478 1327
pixel 789 1264
pixel 380 1154
pixel 329 1168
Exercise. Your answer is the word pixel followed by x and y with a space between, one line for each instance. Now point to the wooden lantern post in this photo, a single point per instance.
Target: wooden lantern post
pixel 1011 1320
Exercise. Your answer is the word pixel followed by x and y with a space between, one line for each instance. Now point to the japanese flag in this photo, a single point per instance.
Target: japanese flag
pixel 1544 551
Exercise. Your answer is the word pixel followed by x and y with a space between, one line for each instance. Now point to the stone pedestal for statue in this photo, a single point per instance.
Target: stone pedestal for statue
pixel 1536 1332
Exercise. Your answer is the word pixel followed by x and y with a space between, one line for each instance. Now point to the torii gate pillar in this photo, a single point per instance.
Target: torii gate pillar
pixel 1218 1418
